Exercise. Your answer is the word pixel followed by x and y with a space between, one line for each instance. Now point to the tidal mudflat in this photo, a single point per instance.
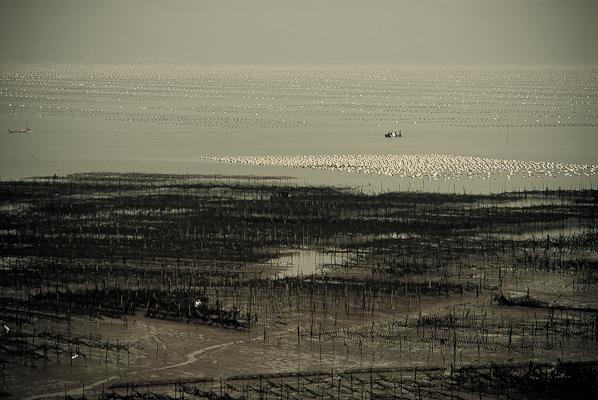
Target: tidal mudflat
pixel 131 286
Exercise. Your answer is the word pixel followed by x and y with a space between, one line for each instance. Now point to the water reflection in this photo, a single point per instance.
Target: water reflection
pixel 301 262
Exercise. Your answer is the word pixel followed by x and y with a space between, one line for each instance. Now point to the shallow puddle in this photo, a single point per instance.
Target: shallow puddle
pixel 300 262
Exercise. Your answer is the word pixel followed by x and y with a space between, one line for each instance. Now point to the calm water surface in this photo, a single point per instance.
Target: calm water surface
pixel 166 118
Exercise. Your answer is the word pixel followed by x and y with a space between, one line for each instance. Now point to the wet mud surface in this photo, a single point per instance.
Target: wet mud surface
pixel 137 285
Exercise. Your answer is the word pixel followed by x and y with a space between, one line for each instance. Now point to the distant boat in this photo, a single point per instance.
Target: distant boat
pixel 20 131
pixel 393 134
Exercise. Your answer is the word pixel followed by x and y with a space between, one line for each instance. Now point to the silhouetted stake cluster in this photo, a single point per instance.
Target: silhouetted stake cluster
pixel 555 380
pixel 38 348
pixel 529 380
pixel 488 334
pixel 204 250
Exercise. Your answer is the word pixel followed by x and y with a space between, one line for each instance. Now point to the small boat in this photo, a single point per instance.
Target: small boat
pixel 393 134
pixel 20 131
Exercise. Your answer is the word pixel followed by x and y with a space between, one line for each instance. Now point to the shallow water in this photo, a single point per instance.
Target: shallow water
pixel 165 119
pixel 299 263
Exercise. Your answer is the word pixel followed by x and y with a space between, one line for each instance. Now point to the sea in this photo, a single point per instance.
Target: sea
pixel 540 123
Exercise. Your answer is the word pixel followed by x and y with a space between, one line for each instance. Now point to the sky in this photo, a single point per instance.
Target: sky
pixel 286 32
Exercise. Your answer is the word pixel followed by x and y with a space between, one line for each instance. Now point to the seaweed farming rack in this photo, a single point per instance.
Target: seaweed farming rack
pixel 205 251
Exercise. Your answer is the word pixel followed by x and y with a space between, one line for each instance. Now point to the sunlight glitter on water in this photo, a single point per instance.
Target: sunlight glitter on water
pixel 163 119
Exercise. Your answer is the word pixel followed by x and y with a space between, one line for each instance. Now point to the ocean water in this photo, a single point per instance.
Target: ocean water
pixel 182 119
